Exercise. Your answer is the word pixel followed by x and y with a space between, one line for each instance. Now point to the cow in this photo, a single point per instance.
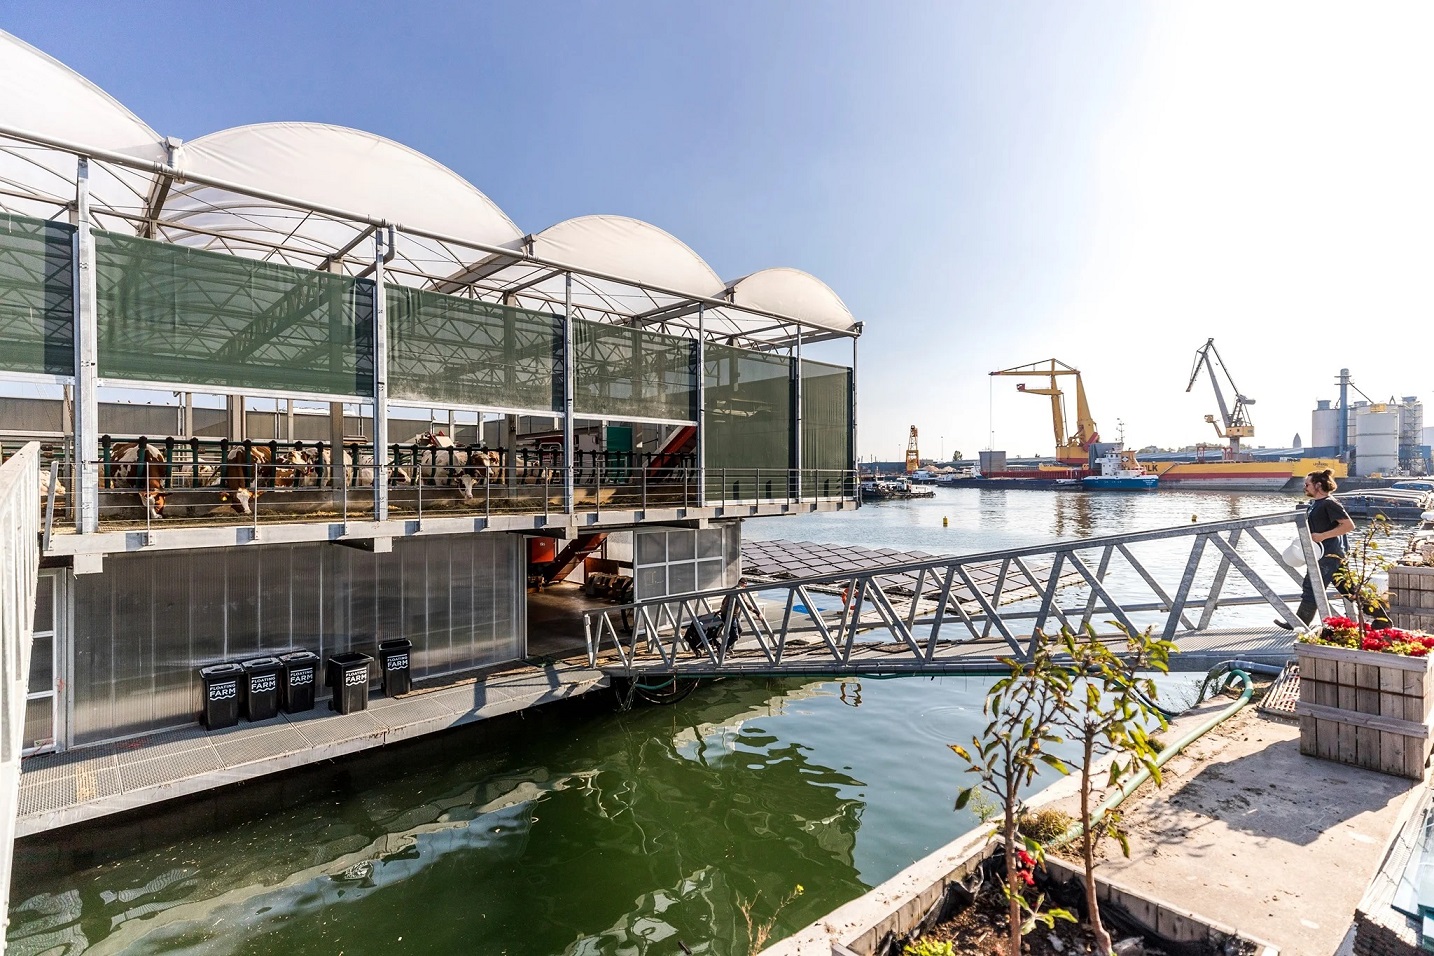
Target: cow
pixel 147 477
pixel 358 467
pixel 442 463
pixel 243 474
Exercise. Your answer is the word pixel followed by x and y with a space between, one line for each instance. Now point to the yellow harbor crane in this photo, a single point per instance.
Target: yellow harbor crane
pixel 913 456
pixel 1071 449
pixel 1236 421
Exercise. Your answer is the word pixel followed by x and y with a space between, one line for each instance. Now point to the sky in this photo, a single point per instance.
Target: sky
pixel 985 185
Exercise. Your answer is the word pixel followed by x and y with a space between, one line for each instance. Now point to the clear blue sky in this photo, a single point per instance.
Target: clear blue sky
pixel 985 185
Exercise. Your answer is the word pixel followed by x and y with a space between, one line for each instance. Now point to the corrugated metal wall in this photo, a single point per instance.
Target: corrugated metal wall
pixel 145 624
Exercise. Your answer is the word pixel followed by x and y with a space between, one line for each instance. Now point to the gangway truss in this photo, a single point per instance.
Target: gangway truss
pixel 1210 587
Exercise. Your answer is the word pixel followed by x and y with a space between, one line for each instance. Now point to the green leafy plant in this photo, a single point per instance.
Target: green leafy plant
pixel 1112 718
pixel 1005 758
pixel 1362 564
pixel 929 947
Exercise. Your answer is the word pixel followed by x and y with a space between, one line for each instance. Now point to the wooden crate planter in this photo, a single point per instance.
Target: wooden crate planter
pixel 1411 598
pixel 1365 708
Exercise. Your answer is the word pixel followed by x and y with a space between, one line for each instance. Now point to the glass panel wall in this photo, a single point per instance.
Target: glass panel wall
pixel 826 429
pixel 168 313
pixel 631 373
pixel 37 311
pixel 749 424
pixel 462 352
pixel 144 626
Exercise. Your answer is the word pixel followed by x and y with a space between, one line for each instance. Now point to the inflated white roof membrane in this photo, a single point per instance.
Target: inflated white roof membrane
pixel 309 194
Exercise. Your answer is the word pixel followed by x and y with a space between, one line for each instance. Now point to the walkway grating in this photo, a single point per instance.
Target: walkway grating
pixel 58 790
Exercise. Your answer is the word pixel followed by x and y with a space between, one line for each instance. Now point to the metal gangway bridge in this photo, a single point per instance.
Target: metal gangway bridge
pixel 1213 588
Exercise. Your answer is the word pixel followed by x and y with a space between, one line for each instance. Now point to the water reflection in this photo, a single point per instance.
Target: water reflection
pixel 578 831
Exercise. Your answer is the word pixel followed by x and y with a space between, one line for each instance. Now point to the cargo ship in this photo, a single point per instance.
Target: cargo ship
pixel 1243 475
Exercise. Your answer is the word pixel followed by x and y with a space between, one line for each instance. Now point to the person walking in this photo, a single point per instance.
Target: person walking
pixel 1328 524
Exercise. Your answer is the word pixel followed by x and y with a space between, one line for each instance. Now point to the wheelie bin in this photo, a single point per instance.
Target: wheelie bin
pixel 393 658
pixel 348 677
pixel 299 682
pixel 221 695
pixel 260 700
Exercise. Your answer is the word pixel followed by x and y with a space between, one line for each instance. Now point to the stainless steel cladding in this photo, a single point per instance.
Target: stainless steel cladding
pixel 144 625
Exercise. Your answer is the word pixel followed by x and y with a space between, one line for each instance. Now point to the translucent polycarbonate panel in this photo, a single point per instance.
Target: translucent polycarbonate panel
pixel 826 429
pixel 39 722
pixel 455 351
pixel 632 373
pixel 37 306
pixel 679 560
pixel 169 313
pixel 146 624
pixel 748 424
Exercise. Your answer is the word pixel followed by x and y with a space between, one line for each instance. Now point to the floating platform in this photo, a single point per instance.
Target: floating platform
pixel 87 783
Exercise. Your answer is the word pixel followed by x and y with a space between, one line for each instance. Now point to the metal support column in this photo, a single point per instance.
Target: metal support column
pixel 797 412
pixel 853 458
pixel 87 406
pixel 383 241
pixel 568 398
pixel 701 407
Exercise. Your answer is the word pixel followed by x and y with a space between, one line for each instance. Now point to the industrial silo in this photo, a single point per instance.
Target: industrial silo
pixel 1324 425
pixel 1377 439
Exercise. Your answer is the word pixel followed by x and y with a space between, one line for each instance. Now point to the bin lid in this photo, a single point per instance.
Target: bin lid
pixel 397 644
pixel 262 664
pixel 350 660
pixel 299 657
pixel 226 669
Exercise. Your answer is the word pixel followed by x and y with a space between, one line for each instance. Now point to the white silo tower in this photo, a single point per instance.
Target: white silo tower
pixel 1376 443
pixel 1324 425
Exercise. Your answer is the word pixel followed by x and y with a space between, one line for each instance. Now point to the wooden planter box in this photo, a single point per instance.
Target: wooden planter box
pixel 1411 598
pixel 1365 708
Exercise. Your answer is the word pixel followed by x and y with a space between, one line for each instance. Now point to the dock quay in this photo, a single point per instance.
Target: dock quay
pixel 1245 834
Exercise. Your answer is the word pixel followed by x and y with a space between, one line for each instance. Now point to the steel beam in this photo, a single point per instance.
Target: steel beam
pixel 87 409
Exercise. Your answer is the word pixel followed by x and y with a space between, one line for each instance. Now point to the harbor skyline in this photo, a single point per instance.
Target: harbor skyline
pixel 1109 185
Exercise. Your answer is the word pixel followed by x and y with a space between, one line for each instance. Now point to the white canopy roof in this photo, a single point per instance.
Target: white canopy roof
pixel 333 167
pixel 41 94
pixel 308 194
pixel 795 293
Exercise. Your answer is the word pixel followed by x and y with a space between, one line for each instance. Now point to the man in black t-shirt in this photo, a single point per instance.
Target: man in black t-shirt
pixel 1328 523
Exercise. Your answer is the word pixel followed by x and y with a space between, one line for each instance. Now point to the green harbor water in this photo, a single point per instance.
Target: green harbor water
pixel 577 828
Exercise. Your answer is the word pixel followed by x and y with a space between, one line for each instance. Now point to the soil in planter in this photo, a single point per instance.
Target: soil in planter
pixel 978 927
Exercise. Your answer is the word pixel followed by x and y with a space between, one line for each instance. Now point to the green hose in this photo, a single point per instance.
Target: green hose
pixel 1131 785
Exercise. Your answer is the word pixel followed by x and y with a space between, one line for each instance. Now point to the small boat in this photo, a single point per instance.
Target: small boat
pixel 1120 471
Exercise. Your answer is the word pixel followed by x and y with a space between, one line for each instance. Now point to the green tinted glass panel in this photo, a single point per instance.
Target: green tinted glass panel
pixel 37 311
pixel 454 351
pixel 826 428
pixel 172 314
pixel 631 373
pixel 748 424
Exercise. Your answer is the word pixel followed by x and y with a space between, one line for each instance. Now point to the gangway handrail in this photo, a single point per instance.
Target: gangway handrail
pixel 20 561
pixel 1030 577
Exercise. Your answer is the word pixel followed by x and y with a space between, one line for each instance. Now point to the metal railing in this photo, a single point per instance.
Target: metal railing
pixel 935 615
pixel 173 483
pixel 19 577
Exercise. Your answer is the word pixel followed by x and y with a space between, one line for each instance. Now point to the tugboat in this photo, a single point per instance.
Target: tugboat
pixel 1120 470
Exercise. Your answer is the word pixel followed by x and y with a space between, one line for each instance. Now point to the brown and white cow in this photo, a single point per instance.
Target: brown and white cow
pixel 443 464
pixel 147 477
pixel 244 474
